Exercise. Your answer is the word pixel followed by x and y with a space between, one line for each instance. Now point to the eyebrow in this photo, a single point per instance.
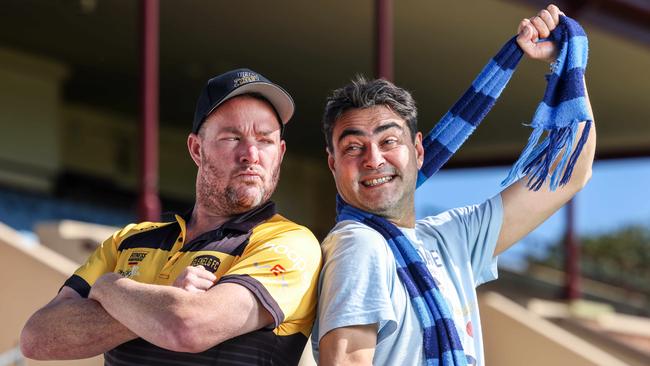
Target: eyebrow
pixel 386 126
pixel 377 130
pixel 237 131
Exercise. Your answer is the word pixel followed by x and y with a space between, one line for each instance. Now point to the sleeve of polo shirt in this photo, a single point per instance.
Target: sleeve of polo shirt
pixel 103 260
pixel 281 271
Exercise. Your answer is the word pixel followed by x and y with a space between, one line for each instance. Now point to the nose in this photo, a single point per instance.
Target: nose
pixel 374 159
pixel 250 154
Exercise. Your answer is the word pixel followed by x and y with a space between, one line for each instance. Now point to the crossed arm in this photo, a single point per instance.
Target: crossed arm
pixel 71 327
pixel 118 309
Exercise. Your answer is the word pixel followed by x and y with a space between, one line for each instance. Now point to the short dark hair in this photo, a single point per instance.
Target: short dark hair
pixel 361 93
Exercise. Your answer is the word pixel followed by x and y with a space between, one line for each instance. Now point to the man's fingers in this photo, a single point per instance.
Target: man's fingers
pixel 522 24
pixel 202 284
pixel 540 26
pixel 197 277
pixel 201 272
pixel 555 13
pixel 192 281
pixel 193 289
pixel 529 33
pixel 527 37
pixel 546 16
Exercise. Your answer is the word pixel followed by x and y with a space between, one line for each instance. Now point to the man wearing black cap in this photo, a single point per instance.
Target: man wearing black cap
pixel 231 282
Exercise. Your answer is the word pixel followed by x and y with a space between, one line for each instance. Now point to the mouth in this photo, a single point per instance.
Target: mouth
pixel 249 172
pixel 377 181
pixel 248 177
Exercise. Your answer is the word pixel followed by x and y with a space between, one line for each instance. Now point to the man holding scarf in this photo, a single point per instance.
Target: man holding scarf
pixel 396 291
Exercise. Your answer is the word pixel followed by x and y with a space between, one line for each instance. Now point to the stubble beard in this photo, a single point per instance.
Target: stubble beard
pixel 395 207
pixel 231 199
pixel 396 204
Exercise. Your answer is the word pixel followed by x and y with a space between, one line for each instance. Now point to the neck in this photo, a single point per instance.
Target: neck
pixel 402 213
pixel 406 220
pixel 202 221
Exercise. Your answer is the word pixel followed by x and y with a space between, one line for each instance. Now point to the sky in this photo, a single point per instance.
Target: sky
pixel 617 195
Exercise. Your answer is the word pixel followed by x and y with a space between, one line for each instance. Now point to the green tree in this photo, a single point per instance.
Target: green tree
pixel 621 257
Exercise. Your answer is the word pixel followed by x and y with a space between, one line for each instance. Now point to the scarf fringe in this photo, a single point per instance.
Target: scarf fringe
pixel 536 161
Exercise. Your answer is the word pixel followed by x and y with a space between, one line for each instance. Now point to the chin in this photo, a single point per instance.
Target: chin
pixel 249 202
pixel 245 198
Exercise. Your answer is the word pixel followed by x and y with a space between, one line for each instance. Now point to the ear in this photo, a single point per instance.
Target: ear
pixel 194 147
pixel 419 149
pixel 330 160
pixel 283 149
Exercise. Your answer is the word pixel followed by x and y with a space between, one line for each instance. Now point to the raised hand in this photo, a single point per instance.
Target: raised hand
pixel 540 26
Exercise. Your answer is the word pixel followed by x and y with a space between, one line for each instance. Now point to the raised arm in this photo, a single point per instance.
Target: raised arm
pixel 71 327
pixel 524 210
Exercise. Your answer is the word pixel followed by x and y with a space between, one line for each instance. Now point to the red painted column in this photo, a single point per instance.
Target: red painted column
pixel 572 255
pixel 148 200
pixel 384 39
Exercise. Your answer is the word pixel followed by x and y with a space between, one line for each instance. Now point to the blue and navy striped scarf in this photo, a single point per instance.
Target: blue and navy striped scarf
pixel 563 107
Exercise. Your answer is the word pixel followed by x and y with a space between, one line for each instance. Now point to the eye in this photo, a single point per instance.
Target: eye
pixel 391 141
pixel 230 138
pixel 353 149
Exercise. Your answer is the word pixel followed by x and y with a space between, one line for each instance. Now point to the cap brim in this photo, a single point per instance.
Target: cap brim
pixel 278 97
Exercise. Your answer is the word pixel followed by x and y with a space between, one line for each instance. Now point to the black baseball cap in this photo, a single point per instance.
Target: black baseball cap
pixel 237 82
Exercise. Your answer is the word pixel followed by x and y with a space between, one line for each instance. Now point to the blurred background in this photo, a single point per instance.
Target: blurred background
pixel 72 146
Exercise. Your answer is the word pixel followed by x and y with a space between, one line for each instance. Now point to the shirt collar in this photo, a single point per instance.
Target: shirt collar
pixel 242 223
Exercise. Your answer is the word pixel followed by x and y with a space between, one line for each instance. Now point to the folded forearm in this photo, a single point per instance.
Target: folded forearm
pixel 77 328
pixel 148 310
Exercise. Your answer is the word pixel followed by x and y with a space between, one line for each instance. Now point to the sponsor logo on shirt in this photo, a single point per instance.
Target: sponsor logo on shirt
pixel 131 272
pixel 298 263
pixel 136 257
pixel 134 269
pixel 277 270
pixel 209 262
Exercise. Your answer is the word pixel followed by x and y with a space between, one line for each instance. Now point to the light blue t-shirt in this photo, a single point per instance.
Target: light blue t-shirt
pixel 359 284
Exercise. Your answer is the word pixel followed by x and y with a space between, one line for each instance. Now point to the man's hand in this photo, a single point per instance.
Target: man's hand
pixel 539 26
pixel 105 280
pixel 195 279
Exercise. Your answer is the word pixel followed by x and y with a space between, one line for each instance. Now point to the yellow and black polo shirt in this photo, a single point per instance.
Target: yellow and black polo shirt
pixel 276 259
